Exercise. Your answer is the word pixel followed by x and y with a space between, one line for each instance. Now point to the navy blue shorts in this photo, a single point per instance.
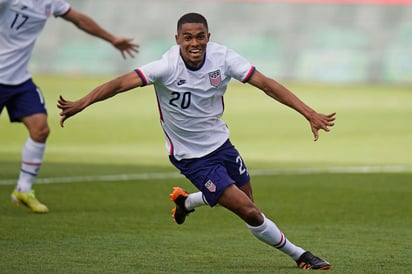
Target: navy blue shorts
pixel 21 100
pixel 213 173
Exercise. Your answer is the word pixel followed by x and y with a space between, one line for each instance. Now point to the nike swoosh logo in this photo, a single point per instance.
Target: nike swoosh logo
pixel 181 82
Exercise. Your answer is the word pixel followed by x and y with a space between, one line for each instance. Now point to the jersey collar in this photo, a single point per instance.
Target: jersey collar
pixel 189 67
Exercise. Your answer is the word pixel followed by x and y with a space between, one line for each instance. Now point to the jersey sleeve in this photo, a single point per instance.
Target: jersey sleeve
pixel 151 72
pixel 158 71
pixel 238 67
pixel 60 7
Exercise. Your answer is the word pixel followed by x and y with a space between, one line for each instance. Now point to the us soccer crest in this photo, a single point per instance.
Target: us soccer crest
pixel 215 78
pixel 210 186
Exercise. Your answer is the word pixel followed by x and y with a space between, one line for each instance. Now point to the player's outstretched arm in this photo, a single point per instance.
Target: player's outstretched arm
pixel 280 93
pixel 87 24
pixel 120 84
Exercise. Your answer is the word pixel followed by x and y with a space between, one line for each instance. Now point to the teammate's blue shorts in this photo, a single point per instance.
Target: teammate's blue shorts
pixel 213 173
pixel 21 100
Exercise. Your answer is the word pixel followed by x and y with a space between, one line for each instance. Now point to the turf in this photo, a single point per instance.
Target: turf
pixel 360 222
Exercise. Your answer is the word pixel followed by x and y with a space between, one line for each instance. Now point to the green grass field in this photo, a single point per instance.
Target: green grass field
pixel 106 179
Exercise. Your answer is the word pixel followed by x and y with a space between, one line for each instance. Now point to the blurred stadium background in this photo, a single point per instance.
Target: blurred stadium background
pixel 330 41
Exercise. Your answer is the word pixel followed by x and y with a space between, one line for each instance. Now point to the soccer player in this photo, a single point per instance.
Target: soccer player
pixel 190 81
pixel 21 23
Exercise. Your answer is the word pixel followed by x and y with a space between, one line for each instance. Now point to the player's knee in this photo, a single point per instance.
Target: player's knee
pixel 253 216
pixel 40 134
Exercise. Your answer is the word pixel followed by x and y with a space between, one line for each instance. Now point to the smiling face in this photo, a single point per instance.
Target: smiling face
pixel 192 39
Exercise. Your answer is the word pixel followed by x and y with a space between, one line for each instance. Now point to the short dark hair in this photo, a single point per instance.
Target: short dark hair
pixel 192 18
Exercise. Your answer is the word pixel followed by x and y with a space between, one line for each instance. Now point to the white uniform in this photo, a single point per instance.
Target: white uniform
pixel 21 22
pixel 191 101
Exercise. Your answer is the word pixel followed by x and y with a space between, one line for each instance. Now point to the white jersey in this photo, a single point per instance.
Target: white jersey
pixel 21 22
pixel 191 101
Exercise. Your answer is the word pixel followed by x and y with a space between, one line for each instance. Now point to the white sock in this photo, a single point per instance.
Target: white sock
pixel 269 233
pixel 195 200
pixel 32 158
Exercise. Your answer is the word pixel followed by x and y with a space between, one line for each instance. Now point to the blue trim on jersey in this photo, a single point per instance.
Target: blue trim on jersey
pixel 141 75
pixel 249 75
pixel 193 68
pixel 65 13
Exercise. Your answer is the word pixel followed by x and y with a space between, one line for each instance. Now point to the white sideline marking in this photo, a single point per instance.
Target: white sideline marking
pixel 256 172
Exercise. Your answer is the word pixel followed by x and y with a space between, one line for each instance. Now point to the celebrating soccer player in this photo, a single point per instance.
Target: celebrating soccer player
pixel 190 81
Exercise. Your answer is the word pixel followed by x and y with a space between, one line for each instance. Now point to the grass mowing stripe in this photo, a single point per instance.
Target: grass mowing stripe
pixel 256 172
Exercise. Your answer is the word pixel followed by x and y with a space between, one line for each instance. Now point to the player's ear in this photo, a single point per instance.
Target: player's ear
pixel 177 38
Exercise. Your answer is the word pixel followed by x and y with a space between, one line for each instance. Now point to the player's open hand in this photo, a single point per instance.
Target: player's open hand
pixel 68 108
pixel 321 121
pixel 126 46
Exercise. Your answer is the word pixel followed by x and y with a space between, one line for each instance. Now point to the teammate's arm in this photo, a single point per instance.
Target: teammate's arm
pixel 109 89
pixel 87 24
